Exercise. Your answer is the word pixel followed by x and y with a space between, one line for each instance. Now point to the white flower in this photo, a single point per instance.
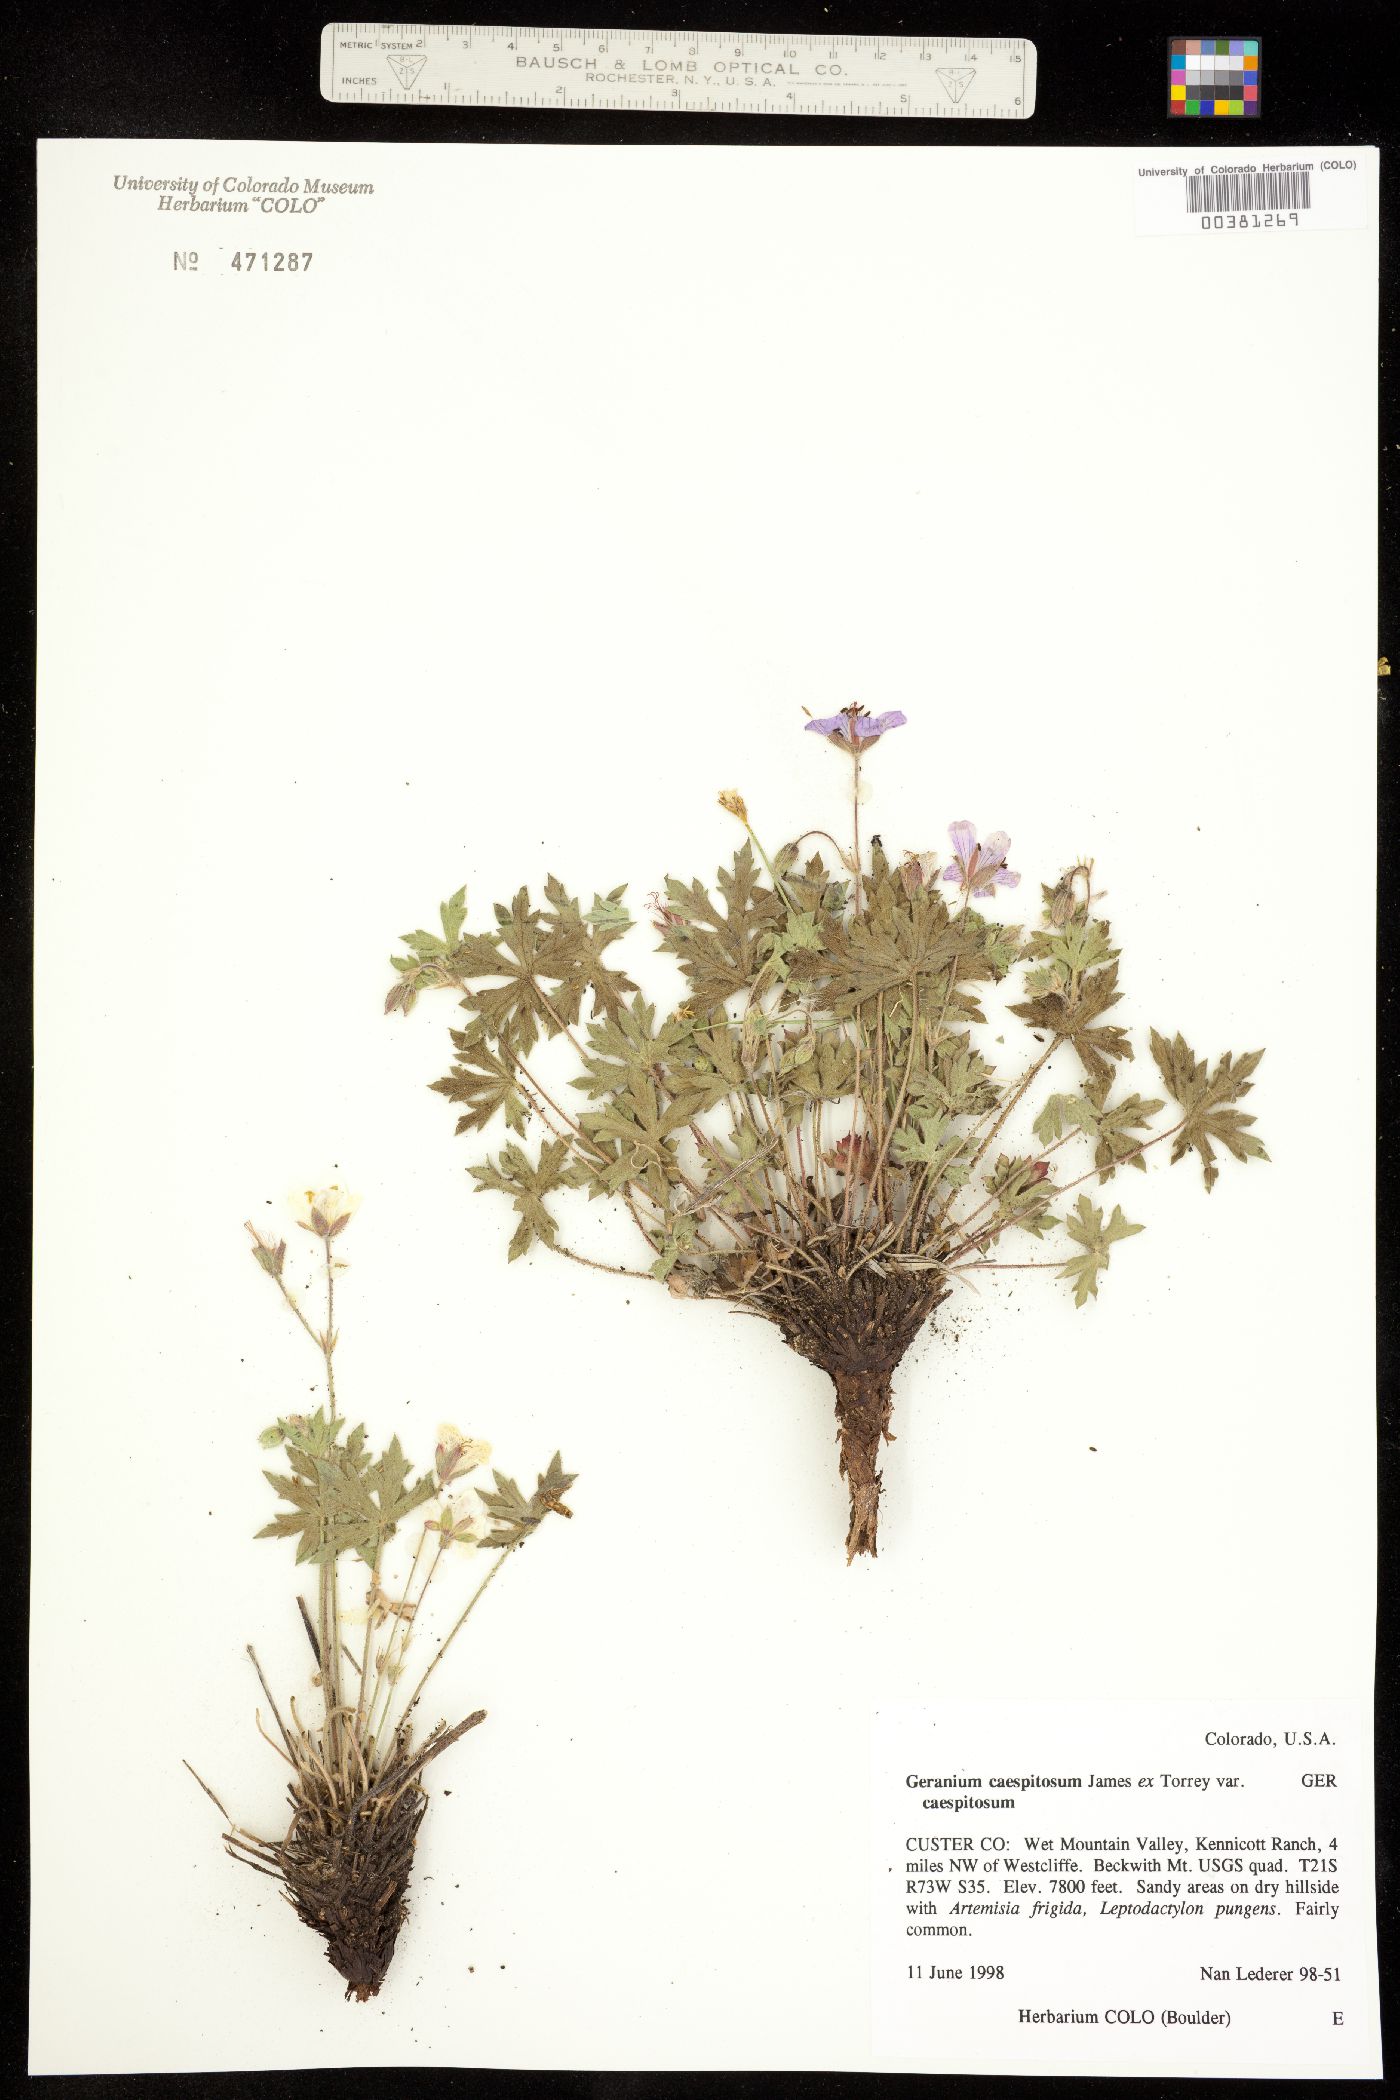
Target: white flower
pixel 326 1211
pixel 458 1455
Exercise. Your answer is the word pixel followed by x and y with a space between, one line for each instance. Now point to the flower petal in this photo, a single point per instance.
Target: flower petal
pixel 828 725
pixel 964 837
pixel 891 719
pixel 1007 877
pixel 324 1211
pixel 996 846
pixel 953 874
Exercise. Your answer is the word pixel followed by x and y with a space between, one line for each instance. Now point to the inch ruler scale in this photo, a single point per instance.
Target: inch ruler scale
pixel 692 72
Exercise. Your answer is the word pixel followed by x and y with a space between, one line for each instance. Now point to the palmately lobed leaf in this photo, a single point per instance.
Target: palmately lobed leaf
pixel 718 944
pixel 515 1515
pixel 482 1081
pixel 1115 1130
pixel 1207 1098
pixel 1085 1224
pixel 527 1182
pixel 1076 1018
pixel 341 1500
pixel 900 944
pixel 805 990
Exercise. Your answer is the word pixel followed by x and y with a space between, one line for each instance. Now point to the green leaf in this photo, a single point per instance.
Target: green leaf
pixel 800 931
pixel 959 1080
pixel 392 1497
pixel 1080 947
pixel 638 1130
pixel 1085 1225
pixel 527 1183
pixel 800 1053
pixel 575 952
pixel 1022 1193
pixel 626 1046
pixel 1120 1128
pixel 705 1062
pixel 1074 1018
pixel 609 915
pixel 453 913
pixel 424 945
pixel 1062 1109
pixel 829 1074
pixel 516 1516
pixel 718 947
pixel 313 1434
pixel 340 1501
pixel 926 1140
pixel 736 1185
pixel 901 944
pixel 1206 1097
pixel 483 1081
pixel 673 1245
pixel 517 1008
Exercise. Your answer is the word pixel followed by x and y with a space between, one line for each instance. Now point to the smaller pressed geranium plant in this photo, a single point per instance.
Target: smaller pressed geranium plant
pixel 830 1129
pixel 356 1771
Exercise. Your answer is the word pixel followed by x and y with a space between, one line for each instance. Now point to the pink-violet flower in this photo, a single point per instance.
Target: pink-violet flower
pixel 855 727
pixel 978 863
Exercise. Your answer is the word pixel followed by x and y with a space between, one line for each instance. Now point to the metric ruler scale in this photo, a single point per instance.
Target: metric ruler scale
pixel 702 72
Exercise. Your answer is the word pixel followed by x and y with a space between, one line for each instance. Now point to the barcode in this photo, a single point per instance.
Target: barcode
pixel 1250 189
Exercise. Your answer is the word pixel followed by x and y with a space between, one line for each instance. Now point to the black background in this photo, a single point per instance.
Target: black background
pixel 1330 75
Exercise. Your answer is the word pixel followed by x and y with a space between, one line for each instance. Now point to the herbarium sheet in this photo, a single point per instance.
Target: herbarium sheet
pixel 705 853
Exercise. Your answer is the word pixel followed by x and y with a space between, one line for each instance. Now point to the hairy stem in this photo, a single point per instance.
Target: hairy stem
pixel 503 1555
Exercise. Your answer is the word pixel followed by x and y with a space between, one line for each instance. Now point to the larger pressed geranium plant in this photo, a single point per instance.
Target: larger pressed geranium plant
pixel 822 1131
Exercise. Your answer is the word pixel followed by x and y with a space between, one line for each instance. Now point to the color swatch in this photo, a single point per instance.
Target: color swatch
pixel 1214 76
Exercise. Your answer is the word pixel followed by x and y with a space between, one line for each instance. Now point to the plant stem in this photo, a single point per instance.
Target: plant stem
pixel 1145 1146
pixel 608 1268
pixel 856 1102
pixel 971 1245
pixel 902 1095
pixel 780 888
pixel 361 1703
pixel 944 1214
pixel 470 1606
pixel 383 1680
pixel 330 1591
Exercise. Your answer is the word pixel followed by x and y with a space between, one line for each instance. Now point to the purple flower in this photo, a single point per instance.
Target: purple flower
pixel 977 864
pixel 856 726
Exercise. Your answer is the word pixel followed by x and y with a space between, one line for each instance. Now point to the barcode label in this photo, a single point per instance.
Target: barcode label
pixel 1249 189
pixel 1228 196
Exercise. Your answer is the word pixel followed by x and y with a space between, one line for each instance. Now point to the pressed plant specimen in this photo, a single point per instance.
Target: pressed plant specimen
pixel 356 1786
pixel 819 1132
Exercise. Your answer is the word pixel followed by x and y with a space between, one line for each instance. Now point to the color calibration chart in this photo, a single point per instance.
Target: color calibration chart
pixel 1214 76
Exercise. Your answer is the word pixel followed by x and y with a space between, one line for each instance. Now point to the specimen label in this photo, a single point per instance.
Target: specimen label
pixel 1290 189
pixel 1126 1887
pixel 710 72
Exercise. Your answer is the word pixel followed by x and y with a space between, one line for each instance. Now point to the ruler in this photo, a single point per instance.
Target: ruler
pixel 700 72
